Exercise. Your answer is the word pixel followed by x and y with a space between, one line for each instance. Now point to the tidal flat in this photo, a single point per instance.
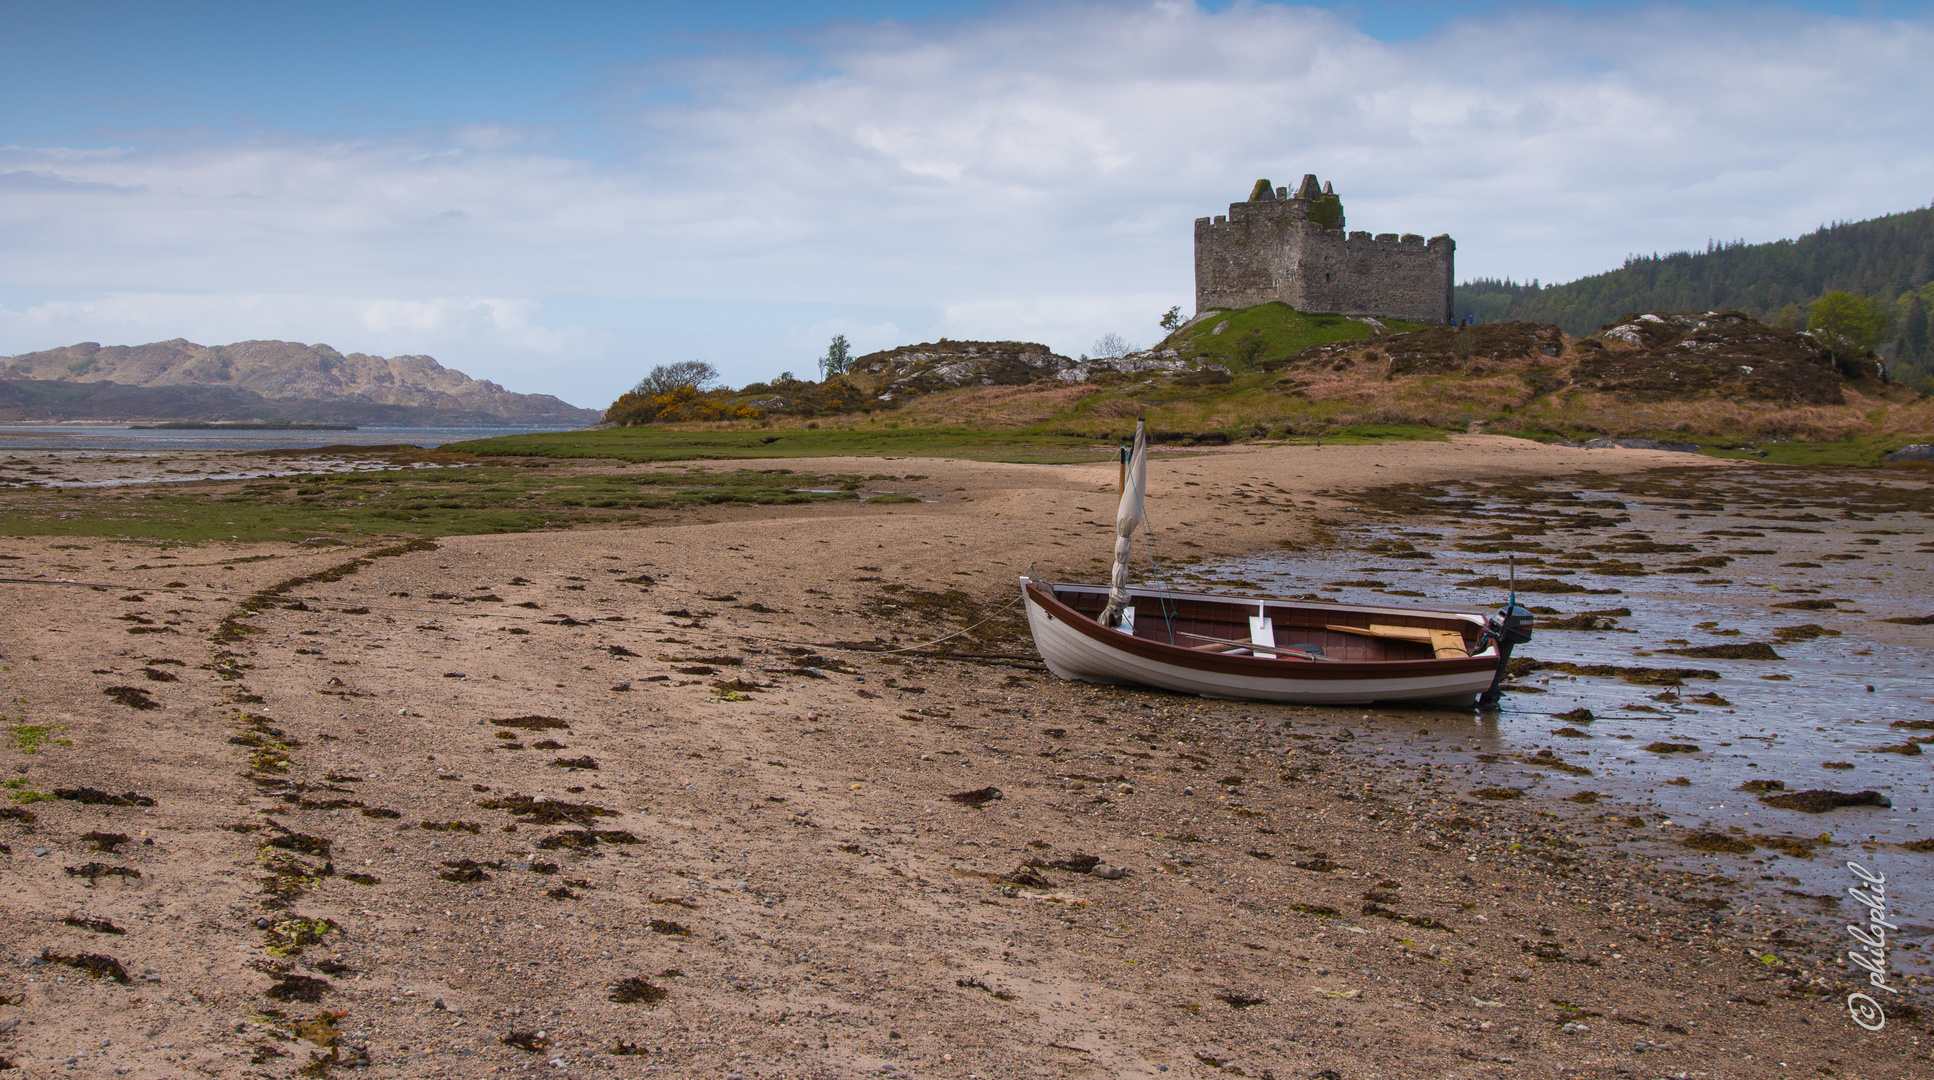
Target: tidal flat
pixel 1710 643
pixel 654 794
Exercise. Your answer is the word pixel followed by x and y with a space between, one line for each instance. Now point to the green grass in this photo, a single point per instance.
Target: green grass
pixel 1861 451
pixel 649 443
pixel 418 502
pixel 29 738
pixel 1279 331
pixel 1366 434
pixel 20 791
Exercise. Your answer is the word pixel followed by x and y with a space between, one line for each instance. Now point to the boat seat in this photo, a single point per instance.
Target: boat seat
pixel 1448 644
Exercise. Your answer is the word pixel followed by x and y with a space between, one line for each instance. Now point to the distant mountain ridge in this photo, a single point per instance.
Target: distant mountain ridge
pixel 261 380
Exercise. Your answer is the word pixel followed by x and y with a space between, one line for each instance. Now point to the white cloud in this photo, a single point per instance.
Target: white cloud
pixel 1033 173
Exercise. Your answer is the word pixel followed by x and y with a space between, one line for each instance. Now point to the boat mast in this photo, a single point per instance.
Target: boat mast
pixel 1128 516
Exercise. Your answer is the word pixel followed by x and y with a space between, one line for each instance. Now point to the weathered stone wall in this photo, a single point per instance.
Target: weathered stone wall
pixel 1269 249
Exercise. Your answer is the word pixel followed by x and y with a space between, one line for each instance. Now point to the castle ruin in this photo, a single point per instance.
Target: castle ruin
pixel 1293 248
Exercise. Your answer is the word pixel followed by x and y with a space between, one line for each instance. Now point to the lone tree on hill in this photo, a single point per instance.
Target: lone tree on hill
pixel 1172 319
pixel 674 392
pixel 839 357
pixel 1111 345
pixel 665 378
pixel 1847 324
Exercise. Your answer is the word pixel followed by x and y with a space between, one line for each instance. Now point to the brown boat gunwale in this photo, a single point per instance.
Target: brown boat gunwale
pixel 1267 667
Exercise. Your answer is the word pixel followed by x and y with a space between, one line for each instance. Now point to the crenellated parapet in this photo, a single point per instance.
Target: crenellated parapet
pixel 1295 248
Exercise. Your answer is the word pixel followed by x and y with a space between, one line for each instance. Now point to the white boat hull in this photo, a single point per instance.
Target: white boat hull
pixel 1091 653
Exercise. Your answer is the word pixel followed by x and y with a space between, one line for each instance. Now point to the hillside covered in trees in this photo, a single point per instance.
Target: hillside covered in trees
pixel 1887 261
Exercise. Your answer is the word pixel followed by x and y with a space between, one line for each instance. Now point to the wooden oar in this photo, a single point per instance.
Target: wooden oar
pixel 1298 653
pixel 1401 633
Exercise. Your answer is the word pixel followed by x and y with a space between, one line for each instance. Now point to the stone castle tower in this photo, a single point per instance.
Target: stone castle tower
pixel 1293 248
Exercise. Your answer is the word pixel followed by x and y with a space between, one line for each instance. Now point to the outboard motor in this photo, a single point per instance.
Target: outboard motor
pixel 1510 627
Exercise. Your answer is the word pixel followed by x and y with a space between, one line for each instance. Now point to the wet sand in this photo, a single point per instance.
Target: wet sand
pixel 747 861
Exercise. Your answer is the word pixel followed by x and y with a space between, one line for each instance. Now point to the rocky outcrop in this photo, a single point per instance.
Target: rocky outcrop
pixel 946 365
pixel 1650 357
pixel 263 380
pixel 1658 356
pixel 1440 350
pixel 1145 362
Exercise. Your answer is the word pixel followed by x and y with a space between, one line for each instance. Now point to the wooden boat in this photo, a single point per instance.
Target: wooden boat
pixel 1209 644
pixel 1264 648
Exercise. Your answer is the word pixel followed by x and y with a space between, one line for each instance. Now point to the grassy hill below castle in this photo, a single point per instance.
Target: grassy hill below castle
pixel 1730 384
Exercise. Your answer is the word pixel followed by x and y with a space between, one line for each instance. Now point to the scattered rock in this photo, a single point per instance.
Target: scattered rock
pixel 464 871
pixel 533 723
pixel 94 871
pixel 637 990
pixel 1755 650
pixel 1639 444
pixel 292 987
pixel 97 797
pixel 1803 632
pixel 1718 842
pixel 1819 800
pixel 96 965
pixel 99 926
pixel 132 696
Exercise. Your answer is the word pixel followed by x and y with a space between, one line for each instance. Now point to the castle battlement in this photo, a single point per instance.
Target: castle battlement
pixel 1295 248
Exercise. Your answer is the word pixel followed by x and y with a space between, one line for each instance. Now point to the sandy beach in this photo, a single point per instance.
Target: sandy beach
pixel 635 801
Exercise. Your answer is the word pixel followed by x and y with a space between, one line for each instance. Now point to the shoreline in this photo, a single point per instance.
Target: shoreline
pixel 788 805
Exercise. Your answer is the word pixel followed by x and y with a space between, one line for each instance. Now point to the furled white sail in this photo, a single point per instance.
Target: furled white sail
pixel 1128 518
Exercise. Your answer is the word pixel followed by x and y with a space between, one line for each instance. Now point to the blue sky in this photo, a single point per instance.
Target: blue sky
pixel 558 196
